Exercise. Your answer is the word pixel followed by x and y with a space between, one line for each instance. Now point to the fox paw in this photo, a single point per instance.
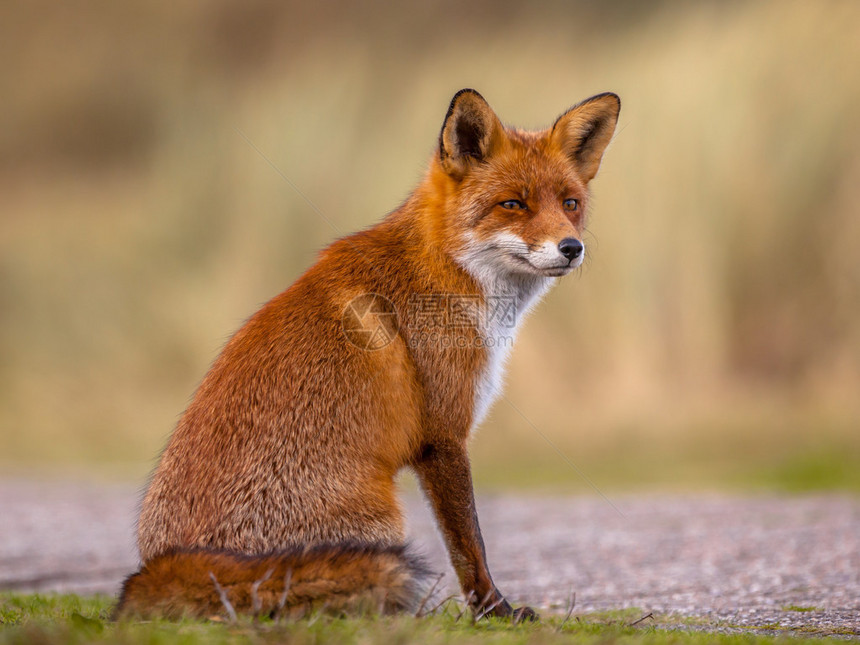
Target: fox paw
pixel 524 615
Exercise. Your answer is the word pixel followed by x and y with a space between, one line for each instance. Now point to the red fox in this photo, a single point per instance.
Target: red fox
pixel 276 492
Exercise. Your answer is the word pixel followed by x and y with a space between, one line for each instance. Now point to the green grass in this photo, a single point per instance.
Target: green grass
pixel 36 618
pixel 745 454
pixel 665 466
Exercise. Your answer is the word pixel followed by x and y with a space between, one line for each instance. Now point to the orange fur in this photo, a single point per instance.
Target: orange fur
pixel 295 435
pixel 342 578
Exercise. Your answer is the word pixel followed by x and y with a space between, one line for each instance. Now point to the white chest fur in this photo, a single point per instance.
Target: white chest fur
pixel 509 294
pixel 508 299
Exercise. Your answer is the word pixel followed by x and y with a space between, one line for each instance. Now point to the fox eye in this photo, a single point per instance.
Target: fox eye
pixel 513 204
pixel 571 204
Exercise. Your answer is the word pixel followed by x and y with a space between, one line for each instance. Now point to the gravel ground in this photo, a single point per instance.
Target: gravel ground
pixel 700 562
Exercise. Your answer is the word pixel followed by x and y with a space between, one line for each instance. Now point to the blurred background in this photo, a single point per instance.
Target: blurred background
pixel 711 341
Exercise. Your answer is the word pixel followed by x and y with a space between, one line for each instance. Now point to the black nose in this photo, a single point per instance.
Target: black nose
pixel 571 248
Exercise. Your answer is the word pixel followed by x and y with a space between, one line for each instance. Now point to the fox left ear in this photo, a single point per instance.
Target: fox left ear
pixel 584 131
pixel 471 132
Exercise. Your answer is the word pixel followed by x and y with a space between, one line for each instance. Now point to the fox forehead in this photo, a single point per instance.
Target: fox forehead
pixel 529 167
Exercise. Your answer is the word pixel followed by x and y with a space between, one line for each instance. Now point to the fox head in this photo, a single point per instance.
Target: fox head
pixel 516 201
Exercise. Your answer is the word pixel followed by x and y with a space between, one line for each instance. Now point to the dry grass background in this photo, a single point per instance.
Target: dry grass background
pixel 713 336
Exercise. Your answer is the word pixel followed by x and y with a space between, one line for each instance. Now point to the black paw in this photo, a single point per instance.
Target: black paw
pixel 524 615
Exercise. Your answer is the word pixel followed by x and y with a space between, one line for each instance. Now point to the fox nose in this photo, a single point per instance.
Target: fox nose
pixel 571 248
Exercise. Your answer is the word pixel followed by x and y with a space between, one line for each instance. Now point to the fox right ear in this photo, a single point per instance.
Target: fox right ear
pixel 584 131
pixel 471 132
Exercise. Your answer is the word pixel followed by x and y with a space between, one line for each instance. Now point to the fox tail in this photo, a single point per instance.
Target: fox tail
pixel 341 578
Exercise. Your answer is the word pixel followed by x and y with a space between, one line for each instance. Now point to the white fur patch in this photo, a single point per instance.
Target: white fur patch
pixel 515 292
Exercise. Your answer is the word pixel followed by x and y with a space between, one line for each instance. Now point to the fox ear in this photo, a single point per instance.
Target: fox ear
pixel 471 132
pixel 584 131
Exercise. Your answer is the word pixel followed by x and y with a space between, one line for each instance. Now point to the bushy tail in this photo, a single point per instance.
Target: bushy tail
pixel 340 578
